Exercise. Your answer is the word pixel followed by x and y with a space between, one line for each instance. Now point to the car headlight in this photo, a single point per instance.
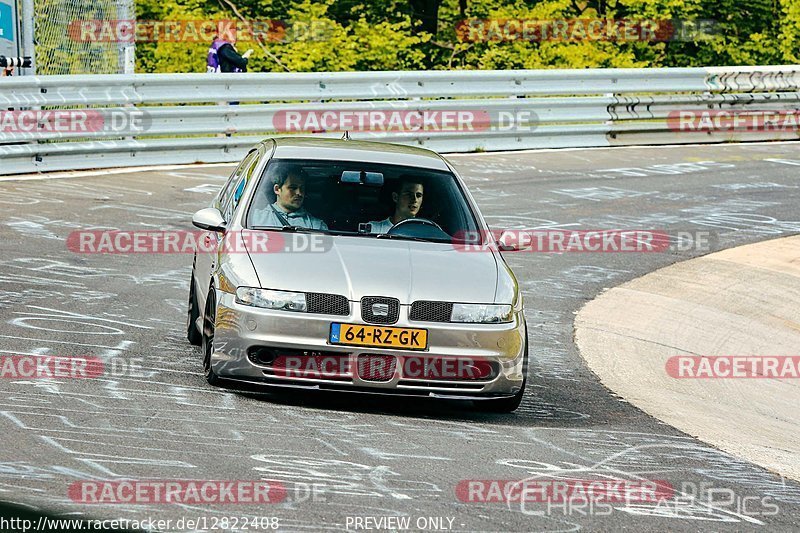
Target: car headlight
pixel 270 299
pixel 481 313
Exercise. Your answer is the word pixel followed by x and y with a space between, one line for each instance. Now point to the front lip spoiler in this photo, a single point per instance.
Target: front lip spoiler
pixel 361 390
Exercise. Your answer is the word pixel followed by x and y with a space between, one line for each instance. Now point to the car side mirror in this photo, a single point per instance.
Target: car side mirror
pixel 209 219
pixel 509 241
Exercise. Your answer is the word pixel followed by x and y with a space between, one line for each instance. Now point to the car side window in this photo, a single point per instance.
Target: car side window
pixel 246 177
pixel 238 185
pixel 225 191
pixel 224 196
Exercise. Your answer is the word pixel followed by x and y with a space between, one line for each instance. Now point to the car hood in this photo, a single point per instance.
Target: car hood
pixel 365 266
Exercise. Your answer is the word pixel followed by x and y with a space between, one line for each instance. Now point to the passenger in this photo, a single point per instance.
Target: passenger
pixel 290 192
pixel 407 203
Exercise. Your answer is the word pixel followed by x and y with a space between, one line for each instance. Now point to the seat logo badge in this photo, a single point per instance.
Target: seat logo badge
pixel 380 309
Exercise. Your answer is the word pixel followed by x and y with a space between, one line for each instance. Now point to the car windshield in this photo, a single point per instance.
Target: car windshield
pixel 361 199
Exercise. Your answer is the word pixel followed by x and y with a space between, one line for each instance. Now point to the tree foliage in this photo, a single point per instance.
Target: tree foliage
pixel 356 35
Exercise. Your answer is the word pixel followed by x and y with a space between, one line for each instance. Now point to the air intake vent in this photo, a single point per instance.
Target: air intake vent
pixel 431 311
pixel 327 304
pixel 377 367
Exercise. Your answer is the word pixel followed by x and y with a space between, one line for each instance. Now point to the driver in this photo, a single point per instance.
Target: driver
pixel 407 202
pixel 290 193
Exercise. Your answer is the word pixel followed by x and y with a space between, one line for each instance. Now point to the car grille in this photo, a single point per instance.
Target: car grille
pixel 377 367
pixel 431 311
pixel 285 364
pixel 315 366
pixel 327 304
pixel 392 306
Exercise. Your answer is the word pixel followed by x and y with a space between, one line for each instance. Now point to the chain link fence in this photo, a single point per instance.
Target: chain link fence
pixel 63 47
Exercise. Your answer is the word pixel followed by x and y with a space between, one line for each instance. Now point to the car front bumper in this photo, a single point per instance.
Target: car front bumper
pixel 241 329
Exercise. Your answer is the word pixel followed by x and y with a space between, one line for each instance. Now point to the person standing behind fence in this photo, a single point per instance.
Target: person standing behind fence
pixel 223 57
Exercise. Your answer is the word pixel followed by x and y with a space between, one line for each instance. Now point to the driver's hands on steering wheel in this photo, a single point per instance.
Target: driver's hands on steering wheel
pixel 417 220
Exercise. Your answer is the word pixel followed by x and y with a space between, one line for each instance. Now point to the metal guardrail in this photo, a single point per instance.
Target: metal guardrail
pixel 187 118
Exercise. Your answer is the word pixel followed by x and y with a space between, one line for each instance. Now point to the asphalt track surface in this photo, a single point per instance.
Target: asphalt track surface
pixel 372 457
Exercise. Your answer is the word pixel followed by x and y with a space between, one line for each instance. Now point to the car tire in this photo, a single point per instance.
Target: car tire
pixel 192 333
pixel 510 403
pixel 209 325
pixel 503 405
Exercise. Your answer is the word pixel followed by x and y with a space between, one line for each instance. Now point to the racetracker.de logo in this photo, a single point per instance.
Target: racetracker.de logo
pixel 198 31
pixel 563 490
pixel 583 29
pixel 50 367
pixel 559 241
pixel 384 120
pixel 744 120
pixel 177 491
pixel 734 367
pixel 189 242
pixel 342 366
pixel 584 241
pixel 118 121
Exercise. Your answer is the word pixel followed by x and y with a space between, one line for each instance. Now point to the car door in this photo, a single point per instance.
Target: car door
pixel 206 257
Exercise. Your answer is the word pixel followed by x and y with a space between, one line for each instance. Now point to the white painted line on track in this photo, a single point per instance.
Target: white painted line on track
pixel 637 147
pixel 101 172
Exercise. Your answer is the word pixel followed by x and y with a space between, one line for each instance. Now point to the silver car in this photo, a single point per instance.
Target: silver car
pixel 355 266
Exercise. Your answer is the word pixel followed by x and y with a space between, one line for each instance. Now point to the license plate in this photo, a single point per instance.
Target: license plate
pixel 384 337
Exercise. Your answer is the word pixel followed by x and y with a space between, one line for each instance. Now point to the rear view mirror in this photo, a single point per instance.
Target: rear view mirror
pixel 350 176
pixel 373 179
pixel 370 179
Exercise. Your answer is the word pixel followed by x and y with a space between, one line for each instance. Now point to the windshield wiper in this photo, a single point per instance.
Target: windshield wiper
pixel 409 238
pixel 290 229
pixel 302 229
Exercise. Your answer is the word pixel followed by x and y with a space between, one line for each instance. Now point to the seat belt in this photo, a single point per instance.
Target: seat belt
pixel 280 216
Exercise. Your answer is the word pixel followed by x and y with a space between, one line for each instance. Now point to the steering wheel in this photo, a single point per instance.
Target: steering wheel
pixel 423 221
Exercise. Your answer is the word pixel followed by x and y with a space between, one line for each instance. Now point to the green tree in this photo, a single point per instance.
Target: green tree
pixel 342 35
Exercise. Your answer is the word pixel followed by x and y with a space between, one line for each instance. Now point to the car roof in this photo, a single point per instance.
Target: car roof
pixel 315 148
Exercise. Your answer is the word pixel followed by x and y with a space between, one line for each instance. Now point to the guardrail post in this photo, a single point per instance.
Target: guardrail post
pixel 27 41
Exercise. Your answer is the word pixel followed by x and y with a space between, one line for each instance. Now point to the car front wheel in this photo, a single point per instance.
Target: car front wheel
pixel 503 405
pixel 209 325
pixel 192 333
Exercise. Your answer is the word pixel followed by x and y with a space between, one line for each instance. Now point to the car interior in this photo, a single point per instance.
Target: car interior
pixel 346 206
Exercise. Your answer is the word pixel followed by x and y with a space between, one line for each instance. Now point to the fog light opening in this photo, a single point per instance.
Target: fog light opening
pixel 261 355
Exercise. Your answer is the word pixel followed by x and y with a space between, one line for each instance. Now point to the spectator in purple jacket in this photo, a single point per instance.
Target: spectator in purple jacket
pixel 223 57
